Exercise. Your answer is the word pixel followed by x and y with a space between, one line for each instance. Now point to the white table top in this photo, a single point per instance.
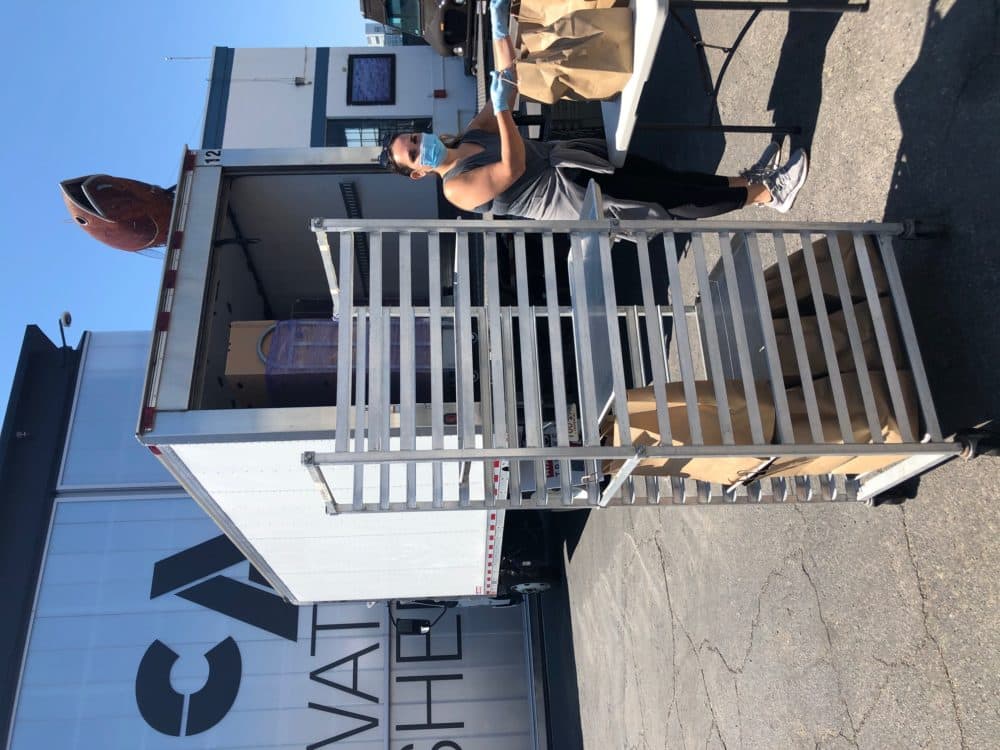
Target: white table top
pixel 619 114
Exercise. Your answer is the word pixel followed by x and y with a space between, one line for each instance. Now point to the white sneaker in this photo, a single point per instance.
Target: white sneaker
pixel 765 165
pixel 784 184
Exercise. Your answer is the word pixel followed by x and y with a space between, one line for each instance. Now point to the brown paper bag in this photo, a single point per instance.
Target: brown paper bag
pixel 586 55
pixel 645 430
pixel 827 279
pixel 545 12
pixel 841 341
pixel 861 432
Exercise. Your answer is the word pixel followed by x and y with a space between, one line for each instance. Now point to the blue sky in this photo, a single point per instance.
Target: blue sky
pixel 86 90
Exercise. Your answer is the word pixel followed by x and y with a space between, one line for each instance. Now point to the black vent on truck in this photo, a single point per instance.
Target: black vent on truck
pixel 352 204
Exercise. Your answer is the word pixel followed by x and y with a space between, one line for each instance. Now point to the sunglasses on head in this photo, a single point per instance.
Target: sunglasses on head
pixel 385 159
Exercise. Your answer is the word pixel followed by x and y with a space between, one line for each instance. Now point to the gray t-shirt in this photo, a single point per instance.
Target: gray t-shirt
pixel 551 187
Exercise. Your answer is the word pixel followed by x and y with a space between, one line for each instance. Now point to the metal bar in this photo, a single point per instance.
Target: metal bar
pixel 598 452
pixel 798 340
pixel 510 387
pixel 712 339
pixel 494 335
pixel 854 336
pixel 600 225
pixel 828 488
pixel 345 345
pixel 846 494
pixel 485 403
pixel 909 335
pixel 803 489
pixel 773 5
pixel 908 332
pixel 742 347
pixel 823 320
pixel 437 362
pixel 527 335
pixel 463 352
pixel 780 489
pixel 784 420
pixel 639 376
pixel 376 367
pixel 385 416
pixel 683 342
pixel 316 473
pixel 558 366
pixel 882 339
pixel 620 477
pixel 657 348
pixel 900 472
pixel 714 128
pixel 588 389
pixel 617 366
pixel 361 404
pixel 407 366
pixel 326 257
pixel 679 490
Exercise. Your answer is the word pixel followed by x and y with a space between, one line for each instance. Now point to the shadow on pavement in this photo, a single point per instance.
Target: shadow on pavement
pixel 561 687
pixel 948 107
pixel 797 90
pixel 676 91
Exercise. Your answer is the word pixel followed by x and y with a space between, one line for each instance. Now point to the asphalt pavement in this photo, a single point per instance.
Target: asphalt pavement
pixel 826 625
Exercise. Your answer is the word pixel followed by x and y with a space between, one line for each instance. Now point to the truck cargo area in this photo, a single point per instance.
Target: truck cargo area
pixel 264 268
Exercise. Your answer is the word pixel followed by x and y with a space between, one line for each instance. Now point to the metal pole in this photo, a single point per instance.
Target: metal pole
pixel 775 5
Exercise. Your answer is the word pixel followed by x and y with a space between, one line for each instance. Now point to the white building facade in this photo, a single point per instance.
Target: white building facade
pixel 148 629
pixel 332 96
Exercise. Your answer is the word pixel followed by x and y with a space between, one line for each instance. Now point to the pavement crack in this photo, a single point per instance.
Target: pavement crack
pixel 754 622
pixel 695 650
pixel 829 643
pixel 673 640
pixel 868 713
pixel 927 628
pixel 739 711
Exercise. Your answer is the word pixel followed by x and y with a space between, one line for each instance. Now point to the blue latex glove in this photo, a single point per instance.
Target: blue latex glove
pixel 501 89
pixel 500 18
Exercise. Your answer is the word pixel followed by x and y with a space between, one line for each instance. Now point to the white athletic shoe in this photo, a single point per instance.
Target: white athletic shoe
pixel 765 165
pixel 784 183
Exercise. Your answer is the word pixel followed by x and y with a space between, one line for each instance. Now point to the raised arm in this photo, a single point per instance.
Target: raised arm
pixel 481 185
pixel 503 59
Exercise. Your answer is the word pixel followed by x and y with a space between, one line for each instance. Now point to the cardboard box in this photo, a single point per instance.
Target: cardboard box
pixel 244 367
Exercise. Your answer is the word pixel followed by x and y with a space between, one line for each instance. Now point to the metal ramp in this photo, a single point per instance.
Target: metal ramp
pixel 527 370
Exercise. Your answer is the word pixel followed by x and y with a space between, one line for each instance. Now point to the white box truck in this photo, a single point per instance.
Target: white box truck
pixel 240 250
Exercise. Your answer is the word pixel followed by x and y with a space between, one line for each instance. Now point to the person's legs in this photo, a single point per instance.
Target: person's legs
pixel 682 199
pixel 639 167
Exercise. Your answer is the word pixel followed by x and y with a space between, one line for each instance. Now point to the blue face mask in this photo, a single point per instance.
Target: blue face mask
pixel 431 151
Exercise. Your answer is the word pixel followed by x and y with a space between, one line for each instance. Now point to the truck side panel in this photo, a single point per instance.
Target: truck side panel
pixel 265 492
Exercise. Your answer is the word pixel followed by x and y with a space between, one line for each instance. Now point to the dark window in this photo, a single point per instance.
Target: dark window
pixel 371 131
pixel 371 79
pixel 404 15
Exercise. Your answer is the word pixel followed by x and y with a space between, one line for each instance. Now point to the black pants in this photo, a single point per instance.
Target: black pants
pixel 684 195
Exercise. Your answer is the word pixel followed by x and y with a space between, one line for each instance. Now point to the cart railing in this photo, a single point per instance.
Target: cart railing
pixel 806 326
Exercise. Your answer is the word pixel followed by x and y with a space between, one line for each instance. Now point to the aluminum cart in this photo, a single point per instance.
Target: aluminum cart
pixel 715 326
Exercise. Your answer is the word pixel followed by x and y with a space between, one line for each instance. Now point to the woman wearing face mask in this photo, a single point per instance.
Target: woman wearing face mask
pixel 491 168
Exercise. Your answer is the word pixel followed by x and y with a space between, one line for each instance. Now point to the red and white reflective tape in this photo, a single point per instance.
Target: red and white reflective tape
pixel 492 554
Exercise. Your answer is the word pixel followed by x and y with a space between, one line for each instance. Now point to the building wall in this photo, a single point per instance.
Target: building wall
pixel 150 630
pixel 264 108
